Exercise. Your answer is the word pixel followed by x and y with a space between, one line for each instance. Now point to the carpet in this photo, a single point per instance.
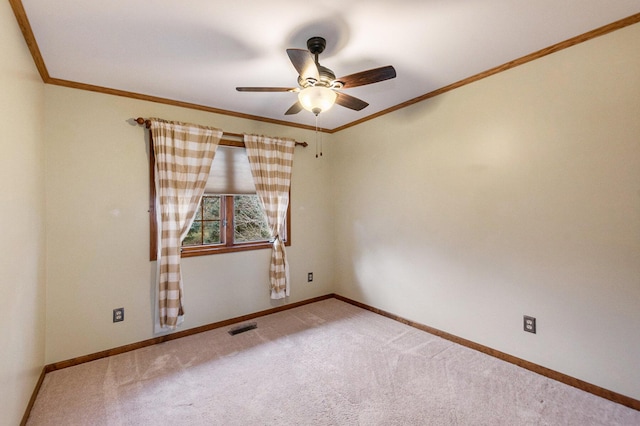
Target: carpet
pixel 326 363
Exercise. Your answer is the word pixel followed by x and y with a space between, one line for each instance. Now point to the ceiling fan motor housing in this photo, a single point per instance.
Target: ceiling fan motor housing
pixel 326 75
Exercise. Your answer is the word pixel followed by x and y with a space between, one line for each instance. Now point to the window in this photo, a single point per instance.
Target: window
pixel 227 223
pixel 230 217
pixel 207 224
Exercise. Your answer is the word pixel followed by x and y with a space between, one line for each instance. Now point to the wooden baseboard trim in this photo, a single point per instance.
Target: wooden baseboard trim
pixel 543 371
pixel 34 395
pixel 177 335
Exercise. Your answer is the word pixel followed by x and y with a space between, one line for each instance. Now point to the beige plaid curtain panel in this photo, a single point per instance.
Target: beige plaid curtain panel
pixel 271 160
pixel 184 153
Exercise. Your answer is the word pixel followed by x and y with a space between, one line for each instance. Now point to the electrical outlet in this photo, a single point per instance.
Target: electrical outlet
pixel 529 324
pixel 118 315
pixel 310 277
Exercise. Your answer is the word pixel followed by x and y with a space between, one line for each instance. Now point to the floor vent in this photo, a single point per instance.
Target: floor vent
pixel 243 328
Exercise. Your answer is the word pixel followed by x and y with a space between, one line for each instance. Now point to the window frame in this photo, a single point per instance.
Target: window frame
pixel 207 249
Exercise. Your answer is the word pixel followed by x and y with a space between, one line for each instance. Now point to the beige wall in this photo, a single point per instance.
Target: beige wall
pixel 516 195
pixel 22 286
pixel 98 228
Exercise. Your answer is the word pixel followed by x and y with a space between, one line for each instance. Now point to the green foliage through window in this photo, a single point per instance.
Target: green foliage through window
pixel 250 223
pixel 243 212
pixel 206 226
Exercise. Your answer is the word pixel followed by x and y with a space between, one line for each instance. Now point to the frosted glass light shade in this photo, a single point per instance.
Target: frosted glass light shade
pixel 317 99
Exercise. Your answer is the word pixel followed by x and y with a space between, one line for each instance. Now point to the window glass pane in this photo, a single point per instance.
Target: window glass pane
pixel 205 230
pixel 249 221
pixel 194 237
pixel 211 207
pixel 211 233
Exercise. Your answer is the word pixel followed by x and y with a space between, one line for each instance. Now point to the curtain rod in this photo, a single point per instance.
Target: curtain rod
pixel 228 139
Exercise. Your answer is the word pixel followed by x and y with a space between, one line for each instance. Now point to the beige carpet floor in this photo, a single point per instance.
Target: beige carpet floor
pixel 327 363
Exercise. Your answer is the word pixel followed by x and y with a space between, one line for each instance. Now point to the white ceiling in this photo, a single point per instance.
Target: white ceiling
pixel 198 51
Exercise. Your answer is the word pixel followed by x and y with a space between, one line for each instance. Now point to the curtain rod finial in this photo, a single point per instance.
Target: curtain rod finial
pixel 142 121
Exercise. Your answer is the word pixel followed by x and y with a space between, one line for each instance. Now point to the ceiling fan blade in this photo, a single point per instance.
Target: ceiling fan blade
pixel 368 77
pixel 267 89
pixel 350 102
pixel 295 108
pixel 304 63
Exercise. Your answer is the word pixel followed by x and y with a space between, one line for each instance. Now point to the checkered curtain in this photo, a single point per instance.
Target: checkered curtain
pixel 183 153
pixel 271 160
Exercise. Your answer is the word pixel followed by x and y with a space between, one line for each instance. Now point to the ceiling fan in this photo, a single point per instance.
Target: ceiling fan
pixel 318 87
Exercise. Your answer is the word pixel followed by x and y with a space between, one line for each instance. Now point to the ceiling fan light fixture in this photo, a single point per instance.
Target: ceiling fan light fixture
pixel 318 89
pixel 317 99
